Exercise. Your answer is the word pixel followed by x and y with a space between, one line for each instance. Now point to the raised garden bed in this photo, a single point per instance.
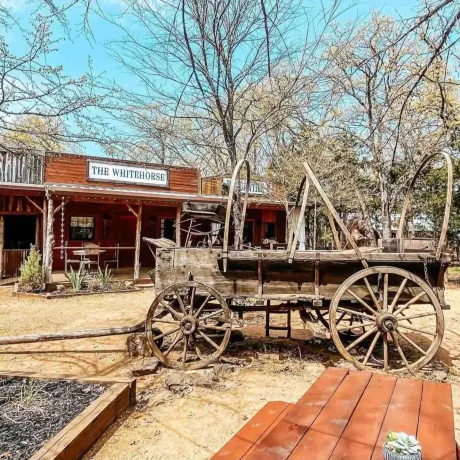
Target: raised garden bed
pixel 60 417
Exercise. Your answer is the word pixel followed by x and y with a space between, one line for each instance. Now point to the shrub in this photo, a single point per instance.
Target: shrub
pixel 77 278
pixel 32 278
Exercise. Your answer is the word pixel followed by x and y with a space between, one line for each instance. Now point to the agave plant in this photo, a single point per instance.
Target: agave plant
pixel 105 277
pixel 77 279
pixel 402 444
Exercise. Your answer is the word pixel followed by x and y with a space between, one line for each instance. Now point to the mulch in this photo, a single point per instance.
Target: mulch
pixel 33 411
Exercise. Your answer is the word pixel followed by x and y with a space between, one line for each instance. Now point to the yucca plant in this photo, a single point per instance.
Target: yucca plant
pixel 105 277
pixel 77 279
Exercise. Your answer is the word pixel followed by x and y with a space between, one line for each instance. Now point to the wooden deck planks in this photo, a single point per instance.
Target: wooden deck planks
pixel 321 439
pixel 289 431
pixel 253 431
pixel 360 435
pixel 402 413
pixel 436 424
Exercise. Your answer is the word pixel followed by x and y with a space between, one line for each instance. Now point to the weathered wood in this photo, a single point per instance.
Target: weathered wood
pixel 332 210
pixel 293 244
pixel 82 334
pixel 58 208
pixel 137 252
pixel 445 222
pixel 334 230
pixel 32 202
pixel 178 217
pixel 2 243
pixel 230 203
pixel 84 430
pixel 49 243
pixel 37 232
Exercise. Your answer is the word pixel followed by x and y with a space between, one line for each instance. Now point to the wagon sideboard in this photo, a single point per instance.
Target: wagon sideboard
pixel 268 274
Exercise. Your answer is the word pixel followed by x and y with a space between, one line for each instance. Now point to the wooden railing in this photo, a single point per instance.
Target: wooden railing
pixel 12 260
pixel 22 168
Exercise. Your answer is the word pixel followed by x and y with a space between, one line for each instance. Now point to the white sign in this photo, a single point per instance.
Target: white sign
pixel 255 187
pixel 113 172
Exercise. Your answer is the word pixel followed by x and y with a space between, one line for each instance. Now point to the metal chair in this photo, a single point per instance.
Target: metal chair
pixel 115 261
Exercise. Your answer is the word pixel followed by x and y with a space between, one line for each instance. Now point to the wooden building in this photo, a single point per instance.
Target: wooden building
pixel 63 201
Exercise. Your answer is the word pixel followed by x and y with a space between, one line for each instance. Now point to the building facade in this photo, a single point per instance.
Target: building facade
pixel 59 202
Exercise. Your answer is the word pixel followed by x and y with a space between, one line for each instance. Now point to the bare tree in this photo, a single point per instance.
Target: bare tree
pixel 31 88
pixel 209 66
pixel 381 95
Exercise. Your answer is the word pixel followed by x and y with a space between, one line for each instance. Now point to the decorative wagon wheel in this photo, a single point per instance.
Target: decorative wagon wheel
pixel 195 325
pixel 403 320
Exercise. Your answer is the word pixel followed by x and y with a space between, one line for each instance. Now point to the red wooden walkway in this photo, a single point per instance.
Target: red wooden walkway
pixel 347 415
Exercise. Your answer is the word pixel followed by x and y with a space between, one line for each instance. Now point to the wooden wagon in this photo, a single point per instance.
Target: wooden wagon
pixel 383 306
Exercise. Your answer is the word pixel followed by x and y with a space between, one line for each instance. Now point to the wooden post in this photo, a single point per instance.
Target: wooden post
pixel 44 213
pixel 178 216
pixel 137 252
pixel 49 243
pixel 2 242
pixel 37 232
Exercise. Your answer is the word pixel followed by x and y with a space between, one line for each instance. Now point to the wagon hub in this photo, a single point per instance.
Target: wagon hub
pixel 387 322
pixel 188 325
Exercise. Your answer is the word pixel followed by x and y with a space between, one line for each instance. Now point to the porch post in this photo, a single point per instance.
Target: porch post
pixel 178 216
pixel 37 232
pixel 49 243
pixel 2 240
pixel 44 213
pixel 137 252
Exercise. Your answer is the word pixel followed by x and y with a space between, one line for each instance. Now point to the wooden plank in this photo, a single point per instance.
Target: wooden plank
pixel 240 444
pixel 436 422
pixel 289 431
pixel 360 435
pixel 402 413
pixel 84 430
pixel 178 231
pixel 320 440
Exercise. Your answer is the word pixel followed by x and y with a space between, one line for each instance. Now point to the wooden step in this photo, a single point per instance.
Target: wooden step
pixel 254 431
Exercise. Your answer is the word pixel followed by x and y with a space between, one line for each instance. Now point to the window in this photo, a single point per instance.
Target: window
pixel 167 228
pixel 81 228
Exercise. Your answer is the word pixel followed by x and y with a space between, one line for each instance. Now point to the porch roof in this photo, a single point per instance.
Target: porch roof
pixel 125 193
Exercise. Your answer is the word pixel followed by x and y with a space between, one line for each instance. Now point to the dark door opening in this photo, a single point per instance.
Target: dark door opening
pixel 19 232
pixel 248 233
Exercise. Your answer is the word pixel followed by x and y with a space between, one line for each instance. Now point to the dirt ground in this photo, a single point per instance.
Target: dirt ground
pixel 196 423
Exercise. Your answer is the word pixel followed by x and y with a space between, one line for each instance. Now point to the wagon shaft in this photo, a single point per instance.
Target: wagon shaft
pixel 83 334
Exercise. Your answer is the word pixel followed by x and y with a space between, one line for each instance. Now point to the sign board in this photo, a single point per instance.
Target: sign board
pixel 255 187
pixel 128 174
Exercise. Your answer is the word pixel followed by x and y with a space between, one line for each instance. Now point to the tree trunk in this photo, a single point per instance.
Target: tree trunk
pixel 386 216
pixel 137 253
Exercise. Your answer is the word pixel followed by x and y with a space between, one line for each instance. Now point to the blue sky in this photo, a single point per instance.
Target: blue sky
pixel 73 53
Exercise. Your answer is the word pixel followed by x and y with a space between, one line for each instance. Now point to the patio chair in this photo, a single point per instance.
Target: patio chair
pixel 91 249
pixel 116 260
pixel 68 261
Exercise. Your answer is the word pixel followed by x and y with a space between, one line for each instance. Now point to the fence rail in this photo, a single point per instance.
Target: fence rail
pixel 22 168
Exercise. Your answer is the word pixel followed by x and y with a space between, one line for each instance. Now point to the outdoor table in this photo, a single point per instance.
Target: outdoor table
pixel 347 415
pixel 88 252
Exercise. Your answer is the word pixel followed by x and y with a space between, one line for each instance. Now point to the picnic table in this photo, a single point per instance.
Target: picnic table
pixel 347 415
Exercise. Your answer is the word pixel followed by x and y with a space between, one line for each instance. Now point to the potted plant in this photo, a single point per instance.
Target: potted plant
pixel 401 446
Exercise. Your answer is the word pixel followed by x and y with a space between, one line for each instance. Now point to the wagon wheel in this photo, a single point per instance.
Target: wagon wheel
pixel 402 316
pixel 197 325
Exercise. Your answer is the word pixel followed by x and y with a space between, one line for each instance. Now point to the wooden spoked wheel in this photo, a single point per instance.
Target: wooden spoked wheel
pixel 195 324
pixel 402 320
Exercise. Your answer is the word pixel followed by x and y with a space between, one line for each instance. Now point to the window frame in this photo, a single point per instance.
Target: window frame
pixel 78 237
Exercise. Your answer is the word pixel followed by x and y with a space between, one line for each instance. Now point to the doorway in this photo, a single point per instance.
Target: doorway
pixel 19 232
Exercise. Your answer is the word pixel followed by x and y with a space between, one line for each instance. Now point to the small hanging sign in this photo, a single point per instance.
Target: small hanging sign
pixel 127 174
